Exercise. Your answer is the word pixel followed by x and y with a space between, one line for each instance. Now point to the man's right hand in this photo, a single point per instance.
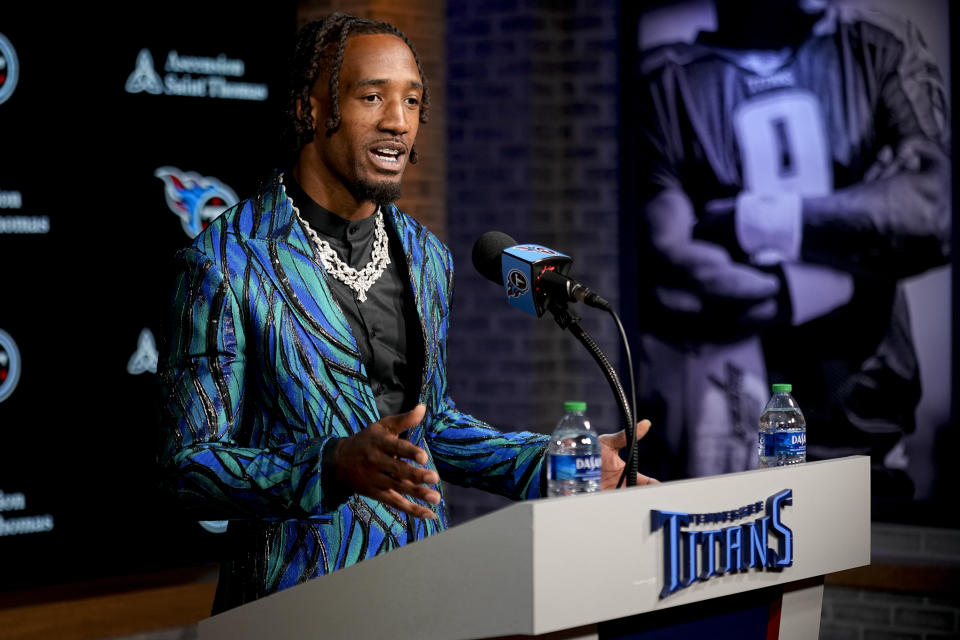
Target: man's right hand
pixel 374 463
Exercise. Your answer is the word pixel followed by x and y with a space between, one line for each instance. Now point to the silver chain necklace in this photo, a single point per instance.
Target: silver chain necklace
pixel 358 280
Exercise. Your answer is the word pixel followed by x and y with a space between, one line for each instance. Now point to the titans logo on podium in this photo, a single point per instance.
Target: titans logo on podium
pixel 700 554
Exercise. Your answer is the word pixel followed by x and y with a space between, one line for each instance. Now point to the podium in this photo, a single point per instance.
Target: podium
pixel 520 571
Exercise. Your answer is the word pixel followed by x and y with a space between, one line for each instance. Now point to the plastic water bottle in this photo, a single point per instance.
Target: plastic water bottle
pixel 573 455
pixel 783 430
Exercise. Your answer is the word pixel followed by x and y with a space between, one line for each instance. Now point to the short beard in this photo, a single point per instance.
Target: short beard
pixel 380 193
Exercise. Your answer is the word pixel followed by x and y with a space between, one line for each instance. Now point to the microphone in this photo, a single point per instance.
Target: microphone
pixel 533 276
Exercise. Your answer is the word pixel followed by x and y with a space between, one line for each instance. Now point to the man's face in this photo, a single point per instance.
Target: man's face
pixel 380 95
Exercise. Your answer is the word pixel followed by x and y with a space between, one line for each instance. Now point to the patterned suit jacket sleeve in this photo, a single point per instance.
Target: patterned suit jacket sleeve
pixel 203 382
pixel 468 451
pixel 471 453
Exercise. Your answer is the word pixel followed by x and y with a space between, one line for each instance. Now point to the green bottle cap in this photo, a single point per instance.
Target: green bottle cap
pixel 578 407
pixel 782 388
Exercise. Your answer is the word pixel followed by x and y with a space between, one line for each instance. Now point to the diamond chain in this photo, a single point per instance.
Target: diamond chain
pixel 361 280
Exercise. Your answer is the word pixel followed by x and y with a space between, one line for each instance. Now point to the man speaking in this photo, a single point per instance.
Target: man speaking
pixel 304 379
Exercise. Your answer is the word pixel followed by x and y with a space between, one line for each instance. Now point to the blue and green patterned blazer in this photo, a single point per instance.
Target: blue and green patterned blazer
pixel 261 371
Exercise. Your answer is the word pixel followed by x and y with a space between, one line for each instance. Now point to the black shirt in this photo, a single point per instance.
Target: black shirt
pixel 386 325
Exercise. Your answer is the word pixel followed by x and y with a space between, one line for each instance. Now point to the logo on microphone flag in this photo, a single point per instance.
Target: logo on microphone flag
pixel 516 284
pixel 521 266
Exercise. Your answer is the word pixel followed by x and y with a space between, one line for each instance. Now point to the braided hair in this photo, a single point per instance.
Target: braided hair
pixel 319 49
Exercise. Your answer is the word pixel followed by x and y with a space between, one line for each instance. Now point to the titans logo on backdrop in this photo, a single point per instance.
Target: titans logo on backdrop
pixel 9 365
pixel 194 198
pixel 9 69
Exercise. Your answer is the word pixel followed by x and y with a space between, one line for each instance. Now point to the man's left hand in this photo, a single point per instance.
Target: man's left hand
pixel 611 463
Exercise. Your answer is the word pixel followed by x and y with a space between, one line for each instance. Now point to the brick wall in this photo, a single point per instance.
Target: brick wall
pixel 911 590
pixel 858 614
pixel 532 151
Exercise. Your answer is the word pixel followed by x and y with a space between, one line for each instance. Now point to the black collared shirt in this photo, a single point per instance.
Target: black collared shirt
pixel 386 325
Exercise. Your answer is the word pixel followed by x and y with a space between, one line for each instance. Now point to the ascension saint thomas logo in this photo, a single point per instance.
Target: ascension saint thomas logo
pixel 144 76
pixel 146 357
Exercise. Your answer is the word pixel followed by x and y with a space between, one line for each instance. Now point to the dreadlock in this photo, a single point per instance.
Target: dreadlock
pixel 319 49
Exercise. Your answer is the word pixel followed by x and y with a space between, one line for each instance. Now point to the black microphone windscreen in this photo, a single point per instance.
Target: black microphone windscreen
pixel 487 251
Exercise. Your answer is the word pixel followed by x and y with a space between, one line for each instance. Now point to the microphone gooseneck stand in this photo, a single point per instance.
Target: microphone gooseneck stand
pixel 568 320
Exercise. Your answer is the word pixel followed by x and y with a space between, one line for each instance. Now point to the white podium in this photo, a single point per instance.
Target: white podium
pixel 519 571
